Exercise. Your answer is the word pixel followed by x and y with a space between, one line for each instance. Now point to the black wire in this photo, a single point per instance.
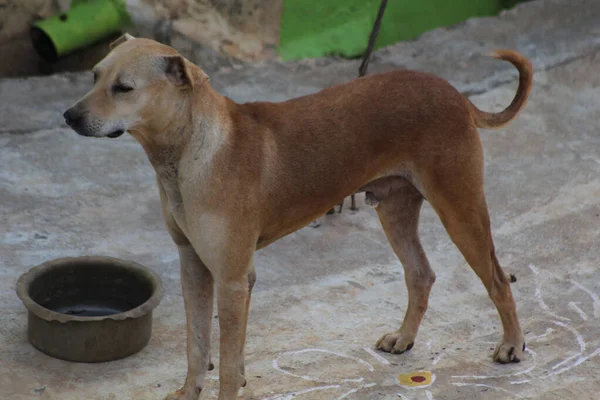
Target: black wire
pixel 361 72
pixel 367 55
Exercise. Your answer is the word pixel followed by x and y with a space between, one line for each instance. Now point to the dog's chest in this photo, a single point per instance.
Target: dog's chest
pixel 169 180
pixel 174 199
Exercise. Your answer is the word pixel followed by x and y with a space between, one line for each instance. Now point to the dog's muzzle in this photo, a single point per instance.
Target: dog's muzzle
pixel 76 121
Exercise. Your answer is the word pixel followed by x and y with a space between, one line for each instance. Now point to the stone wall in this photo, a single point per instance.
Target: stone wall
pixel 17 56
pixel 209 32
pixel 244 29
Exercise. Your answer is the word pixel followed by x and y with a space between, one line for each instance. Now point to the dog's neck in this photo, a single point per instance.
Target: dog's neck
pixel 194 124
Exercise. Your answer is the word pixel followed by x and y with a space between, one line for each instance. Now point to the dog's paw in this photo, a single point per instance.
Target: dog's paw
pixel 508 352
pixel 174 396
pixel 182 394
pixel 395 343
pixel 177 395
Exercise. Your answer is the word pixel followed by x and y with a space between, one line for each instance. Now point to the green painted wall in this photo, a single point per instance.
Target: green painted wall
pixel 314 28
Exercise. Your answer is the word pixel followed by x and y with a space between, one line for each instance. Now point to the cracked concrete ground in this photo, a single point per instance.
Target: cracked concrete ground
pixel 325 295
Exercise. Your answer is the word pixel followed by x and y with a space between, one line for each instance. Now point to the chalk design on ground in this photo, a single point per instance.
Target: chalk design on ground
pixel 353 385
pixel 560 325
pixel 538 294
pixel 581 313
pixel 310 378
pixel 574 305
pixel 376 356
pixel 413 380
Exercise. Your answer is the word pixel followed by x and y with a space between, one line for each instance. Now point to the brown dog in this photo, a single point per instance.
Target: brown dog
pixel 234 178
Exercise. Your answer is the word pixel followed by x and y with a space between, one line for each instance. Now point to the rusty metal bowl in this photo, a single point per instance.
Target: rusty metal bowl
pixel 90 309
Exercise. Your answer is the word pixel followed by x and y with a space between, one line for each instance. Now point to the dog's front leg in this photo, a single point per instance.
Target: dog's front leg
pixel 197 286
pixel 233 294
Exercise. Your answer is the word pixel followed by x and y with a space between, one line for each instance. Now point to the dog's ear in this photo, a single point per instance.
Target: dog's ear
pixel 180 74
pixel 120 40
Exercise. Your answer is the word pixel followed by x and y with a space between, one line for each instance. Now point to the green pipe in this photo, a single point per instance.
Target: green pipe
pixel 87 22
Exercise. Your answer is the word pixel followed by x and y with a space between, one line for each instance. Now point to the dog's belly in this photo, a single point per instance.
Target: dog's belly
pixel 376 191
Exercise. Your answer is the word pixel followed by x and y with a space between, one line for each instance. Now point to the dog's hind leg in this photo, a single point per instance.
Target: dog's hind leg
pixel 399 215
pixel 454 187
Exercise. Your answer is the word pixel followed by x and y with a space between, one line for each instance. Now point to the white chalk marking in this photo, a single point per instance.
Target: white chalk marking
pixel 310 378
pixel 368 385
pixel 579 340
pixel 291 395
pixel 542 336
pixel 437 359
pixel 428 344
pixel 574 332
pixel 376 356
pixel 574 307
pixel 520 382
pixel 594 296
pixel 576 363
pixel 566 361
pixel 486 386
pixel 538 294
pixel 534 355
pixel 429 395
pixel 580 360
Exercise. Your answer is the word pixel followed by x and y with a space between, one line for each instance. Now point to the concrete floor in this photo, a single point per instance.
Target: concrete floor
pixel 325 295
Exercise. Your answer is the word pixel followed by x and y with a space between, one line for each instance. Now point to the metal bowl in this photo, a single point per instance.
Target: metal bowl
pixel 90 309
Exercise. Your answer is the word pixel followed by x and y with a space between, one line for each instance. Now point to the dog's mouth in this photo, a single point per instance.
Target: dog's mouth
pixel 116 133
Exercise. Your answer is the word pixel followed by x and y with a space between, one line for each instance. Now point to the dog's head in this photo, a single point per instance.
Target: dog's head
pixel 139 82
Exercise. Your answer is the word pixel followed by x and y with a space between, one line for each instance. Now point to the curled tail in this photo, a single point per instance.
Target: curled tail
pixel 484 119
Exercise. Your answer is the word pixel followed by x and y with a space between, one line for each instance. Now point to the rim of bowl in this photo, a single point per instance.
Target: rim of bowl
pixel 25 281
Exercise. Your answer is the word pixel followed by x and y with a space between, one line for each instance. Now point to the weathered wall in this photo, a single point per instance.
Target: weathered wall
pixel 17 56
pixel 206 31
pixel 245 29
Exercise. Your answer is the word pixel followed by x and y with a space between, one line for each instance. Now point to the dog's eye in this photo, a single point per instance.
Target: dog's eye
pixel 120 88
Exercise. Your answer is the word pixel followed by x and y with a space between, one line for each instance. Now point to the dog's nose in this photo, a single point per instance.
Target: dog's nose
pixel 71 116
